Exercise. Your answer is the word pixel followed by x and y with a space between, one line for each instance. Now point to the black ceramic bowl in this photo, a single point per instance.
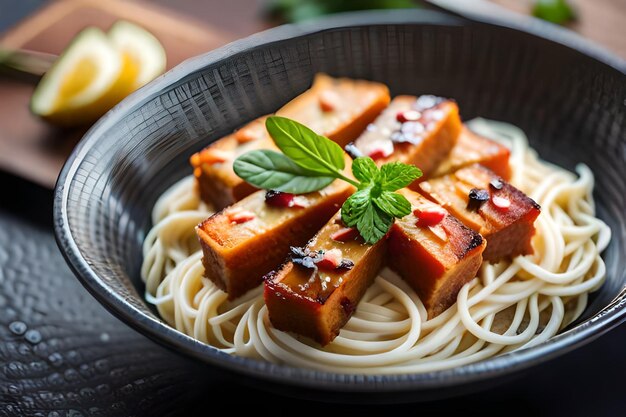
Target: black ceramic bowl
pixel 567 95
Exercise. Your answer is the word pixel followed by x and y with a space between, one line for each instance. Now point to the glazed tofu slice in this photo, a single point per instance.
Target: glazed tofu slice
pixel 338 108
pixel 317 290
pixel 414 130
pixel 434 253
pixel 245 241
pixel 486 203
pixel 213 166
pixel 475 149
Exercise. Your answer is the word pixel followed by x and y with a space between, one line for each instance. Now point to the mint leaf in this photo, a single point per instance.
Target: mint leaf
pixel 373 224
pixel 393 204
pixel 354 207
pixel 373 208
pixel 310 162
pixel 396 175
pixel 305 147
pixel 272 170
pixel 364 169
pixel 555 11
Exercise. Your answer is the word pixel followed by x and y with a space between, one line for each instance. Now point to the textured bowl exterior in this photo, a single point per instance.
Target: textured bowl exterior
pixel 568 96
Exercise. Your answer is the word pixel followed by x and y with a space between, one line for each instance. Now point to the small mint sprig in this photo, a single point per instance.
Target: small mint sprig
pixel 310 162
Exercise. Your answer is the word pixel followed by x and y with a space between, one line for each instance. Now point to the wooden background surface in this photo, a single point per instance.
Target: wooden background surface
pixel 36 151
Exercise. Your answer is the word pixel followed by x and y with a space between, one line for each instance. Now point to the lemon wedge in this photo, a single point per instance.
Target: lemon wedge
pixel 95 72
pixel 143 56
pixel 75 89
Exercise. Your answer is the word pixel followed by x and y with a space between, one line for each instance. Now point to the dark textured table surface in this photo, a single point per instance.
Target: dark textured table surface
pixel 62 354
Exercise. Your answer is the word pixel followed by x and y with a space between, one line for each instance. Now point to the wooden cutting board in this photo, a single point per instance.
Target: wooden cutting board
pixel 35 150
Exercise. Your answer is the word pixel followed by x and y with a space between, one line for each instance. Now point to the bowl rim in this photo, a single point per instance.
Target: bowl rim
pixel 609 317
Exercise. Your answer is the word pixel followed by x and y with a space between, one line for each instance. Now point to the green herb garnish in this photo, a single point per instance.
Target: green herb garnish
pixel 299 10
pixel 272 170
pixel 310 162
pixel 555 11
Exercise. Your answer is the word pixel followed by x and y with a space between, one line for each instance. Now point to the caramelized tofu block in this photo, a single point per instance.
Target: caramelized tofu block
pixel 486 203
pixel 245 241
pixel 213 166
pixel 419 131
pixel 434 253
pixel 317 290
pixel 475 149
pixel 338 108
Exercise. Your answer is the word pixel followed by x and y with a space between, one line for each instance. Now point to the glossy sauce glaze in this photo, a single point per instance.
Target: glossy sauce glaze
pixel 489 205
pixel 318 283
pixel 475 149
pixel 315 300
pixel 436 257
pixel 245 241
pixel 414 130
pixel 268 217
pixel 338 108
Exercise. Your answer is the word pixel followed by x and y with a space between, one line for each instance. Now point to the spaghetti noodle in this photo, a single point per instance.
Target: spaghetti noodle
pixel 510 305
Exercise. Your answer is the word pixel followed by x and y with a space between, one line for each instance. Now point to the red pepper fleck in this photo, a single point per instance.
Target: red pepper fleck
pixel 377 154
pixel 330 260
pixel 280 199
pixel 241 216
pixel 328 100
pixel 408 116
pixel 246 135
pixel 502 203
pixel 210 156
pixel 429 217
pixel 348 306
pixel 345 234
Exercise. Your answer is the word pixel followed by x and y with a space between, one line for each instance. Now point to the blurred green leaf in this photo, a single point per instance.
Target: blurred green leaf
pixel 299 10
pixel 555 11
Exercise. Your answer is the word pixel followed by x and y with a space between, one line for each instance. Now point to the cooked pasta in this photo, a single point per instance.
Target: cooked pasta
pixel 510 305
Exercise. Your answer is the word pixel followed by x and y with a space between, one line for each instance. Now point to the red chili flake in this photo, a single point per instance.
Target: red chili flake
pixel 348 306
pixel 210 156
pixel 501 202
pixel 241 216
pixel 330 260
pixel 408 116
pixel 377 154
pixel 345 234
pixel 280 199
pixel 246 135
pixel 329 100
pixel 429 217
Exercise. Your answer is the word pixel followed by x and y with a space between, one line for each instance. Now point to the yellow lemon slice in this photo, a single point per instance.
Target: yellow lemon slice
pixel 96 71
pixel 143 56
pixel 76 88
